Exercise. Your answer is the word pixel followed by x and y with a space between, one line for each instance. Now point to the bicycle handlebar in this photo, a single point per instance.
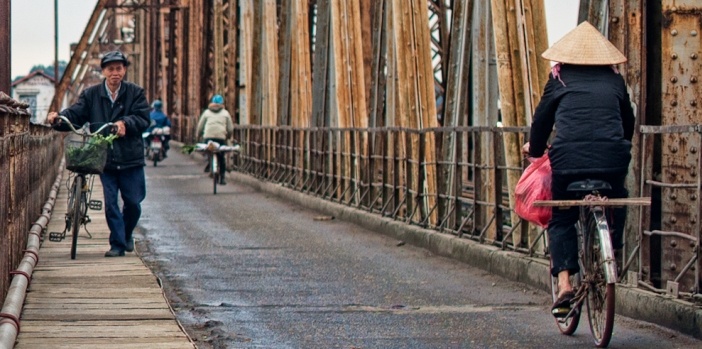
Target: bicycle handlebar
pixel 88 133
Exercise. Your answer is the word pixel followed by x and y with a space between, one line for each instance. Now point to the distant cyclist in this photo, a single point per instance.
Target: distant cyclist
pixel 586 100
pixel 159 119
pixel 216 125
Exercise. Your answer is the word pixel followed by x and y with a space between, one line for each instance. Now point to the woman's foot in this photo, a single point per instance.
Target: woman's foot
pixel 561 307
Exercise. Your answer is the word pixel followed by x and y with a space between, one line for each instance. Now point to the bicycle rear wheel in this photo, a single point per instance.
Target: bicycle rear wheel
pixel 567 325
pixel 77 212
pixel 214 167
pixel 600 296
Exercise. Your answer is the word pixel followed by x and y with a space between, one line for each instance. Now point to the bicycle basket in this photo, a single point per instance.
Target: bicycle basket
pixel 82 157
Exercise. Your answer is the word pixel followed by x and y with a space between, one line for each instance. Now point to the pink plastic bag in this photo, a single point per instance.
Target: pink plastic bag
pixel 535 184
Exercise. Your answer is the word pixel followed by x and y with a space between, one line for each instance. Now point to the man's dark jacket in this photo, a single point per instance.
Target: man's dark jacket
pixel 593 118
pixel 131 106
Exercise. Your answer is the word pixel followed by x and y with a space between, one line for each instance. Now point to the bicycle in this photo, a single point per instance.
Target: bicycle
pixel 84 160
pixel 594 285
pixel 211 149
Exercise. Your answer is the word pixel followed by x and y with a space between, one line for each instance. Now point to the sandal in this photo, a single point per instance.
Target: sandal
pixel 561 307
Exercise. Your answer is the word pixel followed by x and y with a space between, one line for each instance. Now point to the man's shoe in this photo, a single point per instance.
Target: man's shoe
pixel 222 181
pixel 114 253
pixel 130 246
pixel 207 168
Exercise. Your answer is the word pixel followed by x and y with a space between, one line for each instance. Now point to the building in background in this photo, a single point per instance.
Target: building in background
pixel 37 90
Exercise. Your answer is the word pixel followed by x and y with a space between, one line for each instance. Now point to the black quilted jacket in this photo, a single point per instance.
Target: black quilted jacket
pixel 131 106
pixel 593 119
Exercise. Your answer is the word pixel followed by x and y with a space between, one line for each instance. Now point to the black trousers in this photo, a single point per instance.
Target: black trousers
pixel 562 237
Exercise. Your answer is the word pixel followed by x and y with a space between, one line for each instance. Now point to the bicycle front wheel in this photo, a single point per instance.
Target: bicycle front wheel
pixel 600 296
pixel 77 212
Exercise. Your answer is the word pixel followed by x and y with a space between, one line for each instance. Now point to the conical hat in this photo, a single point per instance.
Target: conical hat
pixel 584 45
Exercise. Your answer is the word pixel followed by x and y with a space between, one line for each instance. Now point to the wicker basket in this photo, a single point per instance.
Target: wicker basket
pixel 86 158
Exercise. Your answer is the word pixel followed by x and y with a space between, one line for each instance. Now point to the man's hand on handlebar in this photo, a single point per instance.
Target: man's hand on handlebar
pixel 120 128
pixel 52 117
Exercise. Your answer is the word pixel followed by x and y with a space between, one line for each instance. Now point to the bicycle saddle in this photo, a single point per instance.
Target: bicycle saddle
pixel 589 185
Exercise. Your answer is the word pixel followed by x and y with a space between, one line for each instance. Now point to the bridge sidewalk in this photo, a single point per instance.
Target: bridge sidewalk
pixel 93 301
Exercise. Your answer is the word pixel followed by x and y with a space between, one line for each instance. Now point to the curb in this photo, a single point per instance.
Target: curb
pixel 635 303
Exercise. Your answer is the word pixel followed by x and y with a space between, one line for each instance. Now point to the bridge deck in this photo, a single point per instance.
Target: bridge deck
pixel 93 301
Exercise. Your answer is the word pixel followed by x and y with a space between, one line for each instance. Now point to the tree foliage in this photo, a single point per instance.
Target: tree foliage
pixel 49 68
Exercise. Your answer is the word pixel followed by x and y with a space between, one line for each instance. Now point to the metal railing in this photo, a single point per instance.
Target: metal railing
pixel 29 161
pixel 463 188
pixel 668 249
pixel 389 171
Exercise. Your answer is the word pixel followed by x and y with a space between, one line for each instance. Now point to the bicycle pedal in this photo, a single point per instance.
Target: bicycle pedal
pixel 560 312
pixel 56 236
pixel 95 205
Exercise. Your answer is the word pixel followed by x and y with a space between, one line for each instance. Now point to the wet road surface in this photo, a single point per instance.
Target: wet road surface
pixel 247 270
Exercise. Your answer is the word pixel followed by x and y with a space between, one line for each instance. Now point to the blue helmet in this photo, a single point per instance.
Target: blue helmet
pixel 157 104
pixel 217 99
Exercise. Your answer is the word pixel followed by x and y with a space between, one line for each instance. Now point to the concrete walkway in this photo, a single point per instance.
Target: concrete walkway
pixel 631 302
pixel 93 301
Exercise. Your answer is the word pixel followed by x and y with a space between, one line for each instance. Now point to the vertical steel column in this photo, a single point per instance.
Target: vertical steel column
pixel 5 45
pixel 173 62
pixel 680 68
pixel 56 43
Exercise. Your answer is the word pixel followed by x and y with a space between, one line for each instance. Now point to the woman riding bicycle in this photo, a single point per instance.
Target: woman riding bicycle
pixel 216 125
pixel 586 100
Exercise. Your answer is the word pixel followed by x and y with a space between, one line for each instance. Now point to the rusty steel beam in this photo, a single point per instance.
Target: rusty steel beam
pixel 172 61
pixel 680 91
pixel 5 52
pixel 440 39
pixel 80 49
pixel 232 50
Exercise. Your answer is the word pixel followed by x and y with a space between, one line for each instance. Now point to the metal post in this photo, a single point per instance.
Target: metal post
pixel 56 43
pixel 5 45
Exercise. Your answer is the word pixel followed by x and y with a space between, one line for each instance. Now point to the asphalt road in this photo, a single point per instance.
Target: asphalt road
pixel 246 270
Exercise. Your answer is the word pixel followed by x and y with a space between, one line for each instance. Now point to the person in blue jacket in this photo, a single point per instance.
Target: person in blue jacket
pixel 160 120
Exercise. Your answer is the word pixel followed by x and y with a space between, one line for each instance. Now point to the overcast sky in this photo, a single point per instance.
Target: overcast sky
pixel 33 28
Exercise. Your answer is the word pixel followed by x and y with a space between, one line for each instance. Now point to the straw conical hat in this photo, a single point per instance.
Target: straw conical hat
pixel 584 45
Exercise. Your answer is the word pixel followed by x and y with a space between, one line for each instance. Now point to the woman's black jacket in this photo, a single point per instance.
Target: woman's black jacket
pixel 131 106
pixel 593 119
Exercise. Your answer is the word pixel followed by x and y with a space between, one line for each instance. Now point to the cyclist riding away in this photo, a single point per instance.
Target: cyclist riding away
pixel 586 100
pixel 216 125
pixel 124 104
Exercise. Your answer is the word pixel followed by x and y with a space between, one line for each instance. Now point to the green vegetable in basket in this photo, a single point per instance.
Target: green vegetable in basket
pixel 99 139
pixel 89 157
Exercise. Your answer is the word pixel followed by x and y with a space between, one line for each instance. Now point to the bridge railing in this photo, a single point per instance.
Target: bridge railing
pixel 466 193
pixel 388 171
pixel 29 161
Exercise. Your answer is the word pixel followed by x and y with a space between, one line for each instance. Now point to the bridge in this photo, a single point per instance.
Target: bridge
pixel 391 107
